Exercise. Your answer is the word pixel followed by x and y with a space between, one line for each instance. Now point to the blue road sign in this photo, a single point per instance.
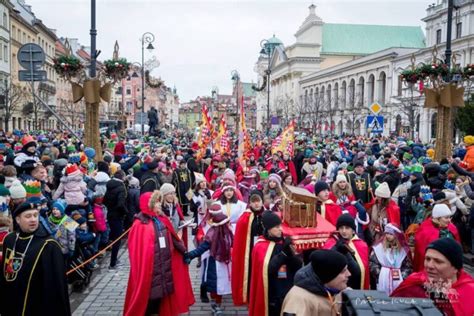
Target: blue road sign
pixel 375 123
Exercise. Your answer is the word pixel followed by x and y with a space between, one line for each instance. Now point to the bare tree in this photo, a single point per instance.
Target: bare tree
pixel 407 105
pixel 12 97
pixel 284 108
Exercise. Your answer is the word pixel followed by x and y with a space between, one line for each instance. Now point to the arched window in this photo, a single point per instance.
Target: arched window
pixel 370 89
pixel 343 95
pixel 361 86
pixel 352 96
pixel 336 96
pixel 382 87
pixel 329 97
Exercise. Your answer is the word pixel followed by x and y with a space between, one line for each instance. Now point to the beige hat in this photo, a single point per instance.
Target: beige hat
pixel 17 191
pixel 340 178
pixel 440 210
pixel 383 191
pixel 167 188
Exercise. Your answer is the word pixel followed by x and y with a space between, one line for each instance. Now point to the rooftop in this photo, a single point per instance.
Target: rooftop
pixel 364 39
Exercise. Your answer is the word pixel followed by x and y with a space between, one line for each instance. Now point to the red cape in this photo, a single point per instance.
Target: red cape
pixel 280 166
pixel 331 211
pixel 185 229
pixel 350 208
pixel 290 167
pixel 362 257
pixel 141 248
pixel 393 211
pixel 425 234
pixel 460 295
pixel 240 259
pixel 261 255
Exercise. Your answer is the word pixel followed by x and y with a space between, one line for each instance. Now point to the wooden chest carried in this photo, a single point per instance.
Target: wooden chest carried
pixel 299 207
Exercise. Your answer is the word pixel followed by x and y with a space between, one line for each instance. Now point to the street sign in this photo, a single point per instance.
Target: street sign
pixel 375 123
pixel 141 118
pixel 31 57
pixel 375 108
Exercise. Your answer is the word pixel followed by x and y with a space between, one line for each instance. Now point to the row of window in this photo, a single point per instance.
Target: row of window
pixel 23 37
pixel 4 54
pixel 458 34
pixel 19 123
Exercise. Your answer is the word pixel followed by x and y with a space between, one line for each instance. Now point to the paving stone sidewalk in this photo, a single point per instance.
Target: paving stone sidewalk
pixel 106 293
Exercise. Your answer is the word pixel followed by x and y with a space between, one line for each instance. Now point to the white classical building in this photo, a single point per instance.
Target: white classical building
pixel 353 66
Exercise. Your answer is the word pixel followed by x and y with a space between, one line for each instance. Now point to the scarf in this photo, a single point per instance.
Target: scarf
pixel 55 220
pixel 220 238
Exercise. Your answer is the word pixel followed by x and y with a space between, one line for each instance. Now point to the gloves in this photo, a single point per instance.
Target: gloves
pixel 187 258
pixel 341 247
pixel 287 250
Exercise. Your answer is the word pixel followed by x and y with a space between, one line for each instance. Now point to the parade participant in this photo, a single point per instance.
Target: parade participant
pixel 248 228
pixel 317 286
pixel 249 183
pixel 230 205
pixel 201 196
pixel 159 279
pixel 356 251
pixel 218 241
pixel 119 150
pixel 325 206
pixel 360 183
pixel 171 208
pixel 287 179
pixel 274 265
pixel 290 167
pixel 212 172
pixel 312 167
pixel 26 159
pixel 390 260
pixel 227 178
pixel 149 180
pixel 468 160
pixel 273 191
pixel 115 200
pixel 382 210
pixel 437 226
pixel 442 280
pixel 274 164
pixel 183 181
pixel 33 273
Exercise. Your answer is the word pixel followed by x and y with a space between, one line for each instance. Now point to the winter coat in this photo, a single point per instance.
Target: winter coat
pixel 133 199
pixel 455 202
pixel 309 297
pixel 116 199
pixel 98 184
pixel 73 187
pixel 25 161
pixel 100 213
pixel 414 191
pixel 65 237
pixel 418 151
pixel 469 158
pixel 149 182
pixel 84 237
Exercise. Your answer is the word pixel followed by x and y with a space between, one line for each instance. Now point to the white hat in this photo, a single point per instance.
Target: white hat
pixel 167 188
pixel 383 191
pixel 199 178
pixel 340 178
pixel 17 191
pixel 440 210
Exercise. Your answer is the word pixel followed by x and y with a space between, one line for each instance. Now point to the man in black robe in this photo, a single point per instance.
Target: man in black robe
pixel 33 273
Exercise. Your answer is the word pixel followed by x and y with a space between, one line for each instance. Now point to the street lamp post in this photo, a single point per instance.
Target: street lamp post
pixel 236 79
pixel 268 46
pixel 148 38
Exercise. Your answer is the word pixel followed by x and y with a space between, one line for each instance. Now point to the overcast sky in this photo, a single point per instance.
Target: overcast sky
pixel 199 43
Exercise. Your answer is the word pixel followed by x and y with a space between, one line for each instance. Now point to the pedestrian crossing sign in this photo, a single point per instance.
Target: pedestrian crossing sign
pixel 375 123
pixel 375 108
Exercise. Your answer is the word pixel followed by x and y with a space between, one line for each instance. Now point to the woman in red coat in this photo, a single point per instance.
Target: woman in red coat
pixel 437 226
pixel 326 207
pixel 159 279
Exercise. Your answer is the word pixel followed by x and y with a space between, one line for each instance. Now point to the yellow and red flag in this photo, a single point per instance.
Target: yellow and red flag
pixel 205 132
pixel 285 142
pixel 221 139
pixel 245 145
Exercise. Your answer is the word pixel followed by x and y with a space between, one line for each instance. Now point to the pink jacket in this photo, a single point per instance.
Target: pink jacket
pixel 73 187
pixel 100 224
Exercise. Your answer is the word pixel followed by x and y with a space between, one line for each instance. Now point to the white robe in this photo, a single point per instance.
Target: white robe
pixel 389 260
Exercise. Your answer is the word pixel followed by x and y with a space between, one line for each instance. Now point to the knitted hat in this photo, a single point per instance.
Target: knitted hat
pixel 61 162
pixel 215 208
pixel 71 168
pixel 340 178
pixel 219 219
pixel 17 191
pixel 103 166
pixel 60 205
pixel 199 179
pixel 439 197
pixel 228 175
pixel 440 210
pixel 270 220
pixel 32 188
pixel 254 194
pixel 28 141
pixel 167 188
pixel 450 249
pixel 25 206
pixel 320 186
pixel 383 191
pixel 264 175
pixel 345 220
pixel 152 164
pixel 74 158
pixel 275 177
pixel 469 140
pixel 327 264
pixel 358 163
pixel 227 187
pixel 392 229
pixel 407 156
pixel 114 167
pixel 89 152
pixel 4 191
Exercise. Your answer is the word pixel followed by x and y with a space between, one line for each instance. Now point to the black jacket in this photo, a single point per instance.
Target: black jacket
pixel 115 199
pixel 149 182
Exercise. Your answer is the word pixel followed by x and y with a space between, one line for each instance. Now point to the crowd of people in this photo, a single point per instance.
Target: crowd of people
pixel 402 222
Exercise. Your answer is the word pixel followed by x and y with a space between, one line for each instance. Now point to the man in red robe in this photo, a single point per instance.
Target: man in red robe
pixel 248 228
pixel 437 226
pixel 443 280
pixel 325 206
pixel 356 251
pixel 290 167
pixel 159 279
pixel 274 265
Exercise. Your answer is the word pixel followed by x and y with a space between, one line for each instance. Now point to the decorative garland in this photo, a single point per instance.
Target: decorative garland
pixel 67 66
pixel 468 71
pixel 264 84
pixel 116 69
pixel 150 83
pixel 410 75
pixel 433 70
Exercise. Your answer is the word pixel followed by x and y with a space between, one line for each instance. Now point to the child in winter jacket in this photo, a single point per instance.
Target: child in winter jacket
pixel 72 187
pixel 63 228
pixel 84 238
pixel 100 225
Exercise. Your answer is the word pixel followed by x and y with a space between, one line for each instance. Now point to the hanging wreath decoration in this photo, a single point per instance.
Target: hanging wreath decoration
pixel 468 71
pixel 116 69
pixel 264 84
pixel 67 66
pixel 410 75
pixel 152 84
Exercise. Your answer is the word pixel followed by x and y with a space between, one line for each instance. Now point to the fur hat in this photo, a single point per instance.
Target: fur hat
pixel 383 191
pixel 167 188
pixel 440 210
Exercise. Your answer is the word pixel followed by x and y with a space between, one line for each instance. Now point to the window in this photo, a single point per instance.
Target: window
pixel 1 51
pixel 18 38
pixel 129 91
pixel 438 36
pixel 13 31
pixel 5 20
pixel 458 30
